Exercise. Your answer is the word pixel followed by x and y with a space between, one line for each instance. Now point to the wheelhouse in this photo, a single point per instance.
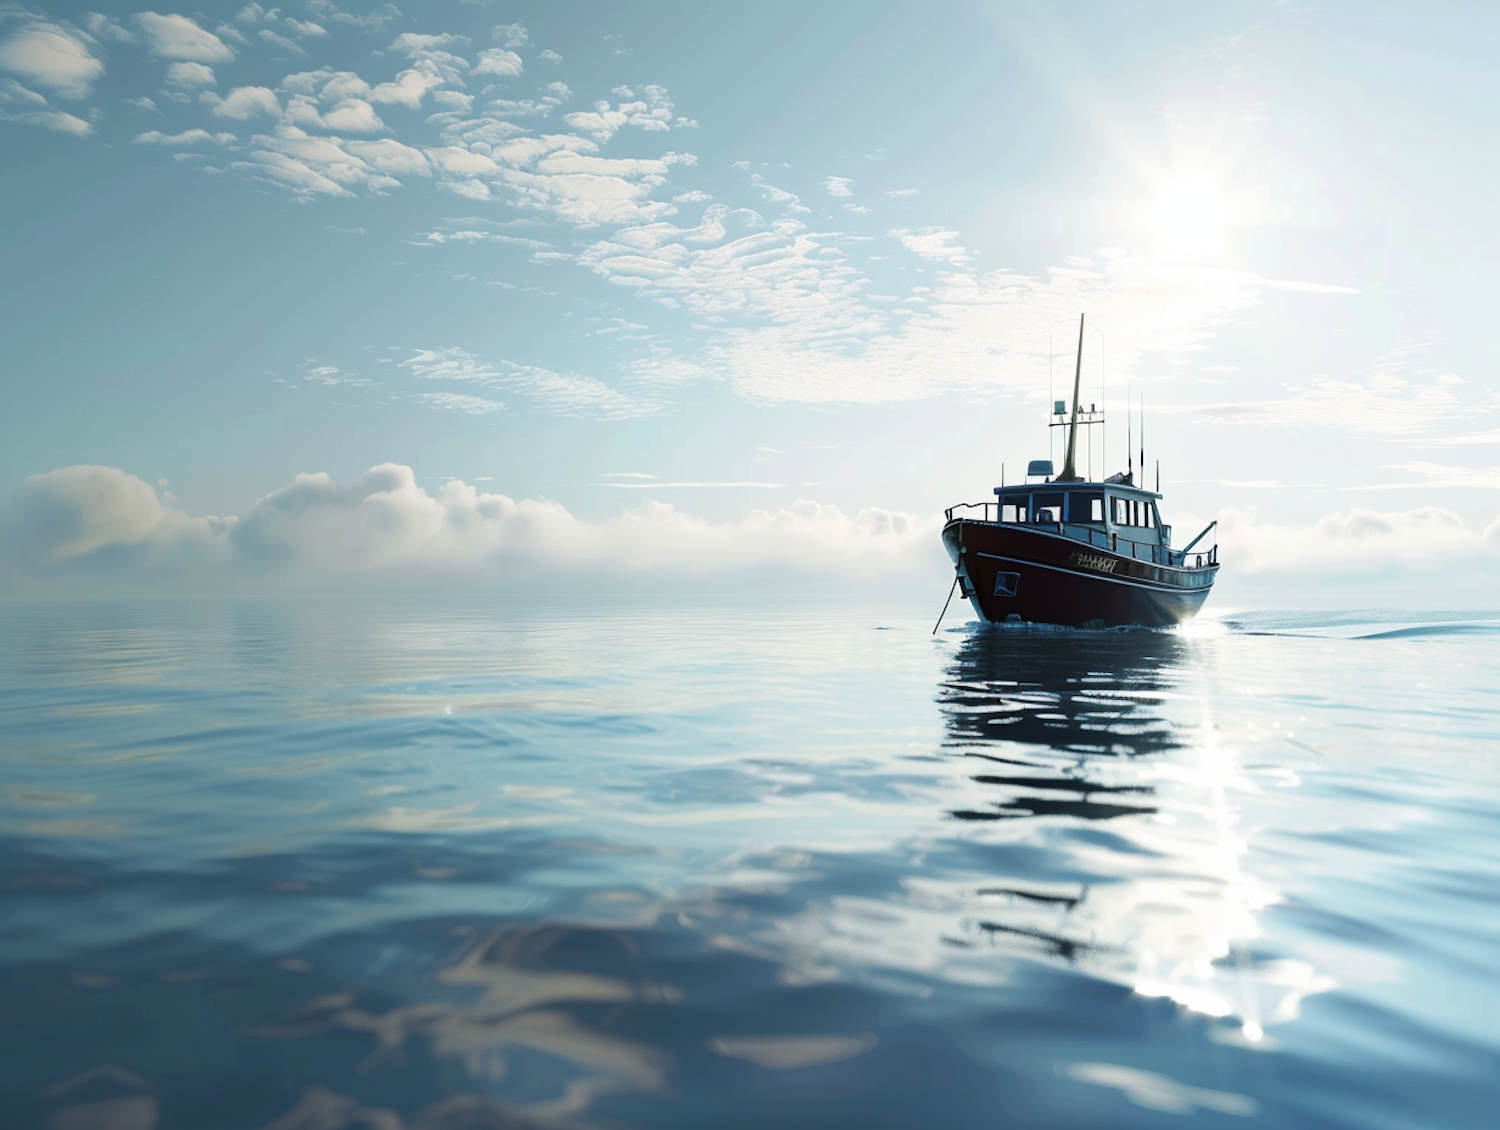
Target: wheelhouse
pixel 1118 508
pixel 1115 515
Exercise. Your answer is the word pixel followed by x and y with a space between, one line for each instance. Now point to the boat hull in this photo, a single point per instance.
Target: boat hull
pixel 1024 573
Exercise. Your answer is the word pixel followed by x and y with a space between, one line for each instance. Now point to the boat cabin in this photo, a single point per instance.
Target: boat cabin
pixel 1114 514
pixel 1110 506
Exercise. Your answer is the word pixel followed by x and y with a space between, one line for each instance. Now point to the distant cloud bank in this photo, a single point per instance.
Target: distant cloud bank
pixel 100 524
pixel 95 526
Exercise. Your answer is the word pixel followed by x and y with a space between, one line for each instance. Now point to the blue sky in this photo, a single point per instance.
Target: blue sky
pixel 708 285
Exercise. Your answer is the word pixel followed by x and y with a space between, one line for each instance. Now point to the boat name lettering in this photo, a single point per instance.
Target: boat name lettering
pixel 1096 561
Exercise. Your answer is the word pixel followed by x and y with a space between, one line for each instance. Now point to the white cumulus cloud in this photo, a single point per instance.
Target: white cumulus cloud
pixel 51 56
pixel 177 37
pixel 245 102
pixel 189 75
pixel 497 61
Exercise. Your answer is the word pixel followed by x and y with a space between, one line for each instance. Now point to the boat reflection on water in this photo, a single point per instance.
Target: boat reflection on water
pixel 1086 698
pixel 1099 749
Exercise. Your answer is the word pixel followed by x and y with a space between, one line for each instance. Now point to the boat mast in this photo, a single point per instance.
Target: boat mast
pixel 1069 473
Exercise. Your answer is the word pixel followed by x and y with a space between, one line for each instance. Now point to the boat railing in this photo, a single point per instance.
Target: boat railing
pixel 1100 538
pixel 984 508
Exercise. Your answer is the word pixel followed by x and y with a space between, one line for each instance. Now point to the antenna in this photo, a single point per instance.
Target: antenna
pixel 1051 392
pixel 1143 435
pixel 1104 413
pixel 1129 439
pixel 1070 473
pixel 1158 476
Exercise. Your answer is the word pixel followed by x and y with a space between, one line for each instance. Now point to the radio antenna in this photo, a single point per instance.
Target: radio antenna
pixel 1143 435
pixel 1129 439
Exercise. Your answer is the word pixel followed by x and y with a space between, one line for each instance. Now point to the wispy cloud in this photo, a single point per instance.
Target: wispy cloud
pixel 567 394
pixel 691 485
pixel 1437 476
pixel 1386 406
pixel 457 402
pixel 18 104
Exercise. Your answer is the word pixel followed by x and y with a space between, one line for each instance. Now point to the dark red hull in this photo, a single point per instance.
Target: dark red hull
pixel 1018 572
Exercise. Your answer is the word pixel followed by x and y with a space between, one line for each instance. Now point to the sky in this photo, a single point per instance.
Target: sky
pixel 492 291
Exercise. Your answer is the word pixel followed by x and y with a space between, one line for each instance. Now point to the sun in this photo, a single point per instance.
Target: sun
pixel 1190 216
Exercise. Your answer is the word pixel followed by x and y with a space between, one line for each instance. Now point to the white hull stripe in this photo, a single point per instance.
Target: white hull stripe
pixel 1154 587
pixel 1054 536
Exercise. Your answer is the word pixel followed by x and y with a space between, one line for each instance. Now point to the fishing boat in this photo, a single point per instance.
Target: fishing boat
pixel 1062 549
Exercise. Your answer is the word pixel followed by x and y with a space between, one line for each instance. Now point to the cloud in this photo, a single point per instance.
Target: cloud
pixel 1418 556
pixel 838 186
pixel 186 137
pixel 76 510
pixel 377 20
pixel 1386 405
pixel 1438 476
pixel 654 112
pixel 53 57
pixel 18 104
pixel 457 402
pixel 330 166
pixel 787 316
pixel 550 56
pixel 691 485
pixel 177 37
pixel 244 102
pixel 276 39
pixel 86 512
pixel 413 44
pixel 103 522
pixel 187 75
pixel 305 29
pixel 409 87
pixel 354 115
pixel 567 394
pixel 512 35
pixel 932 243
pixel 506 64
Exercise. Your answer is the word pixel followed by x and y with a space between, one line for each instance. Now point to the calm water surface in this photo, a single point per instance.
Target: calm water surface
pixel 307 865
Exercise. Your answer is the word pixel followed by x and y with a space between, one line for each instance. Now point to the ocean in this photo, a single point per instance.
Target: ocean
pixel 399 864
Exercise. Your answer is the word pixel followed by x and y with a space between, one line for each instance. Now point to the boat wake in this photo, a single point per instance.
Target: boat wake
pixel 1383 624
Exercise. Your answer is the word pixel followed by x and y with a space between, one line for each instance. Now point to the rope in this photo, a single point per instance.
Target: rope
pixel 947 602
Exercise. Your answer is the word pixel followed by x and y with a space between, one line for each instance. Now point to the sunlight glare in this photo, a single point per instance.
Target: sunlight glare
pixel 1190 216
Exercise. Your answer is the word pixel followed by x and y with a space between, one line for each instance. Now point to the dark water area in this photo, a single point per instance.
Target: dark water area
pixel 306 865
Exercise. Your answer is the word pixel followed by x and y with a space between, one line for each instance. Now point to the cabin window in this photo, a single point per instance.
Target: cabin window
pixel 1083 507
pixel 1132 512
pixel 1047 507
pixel 1012 512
